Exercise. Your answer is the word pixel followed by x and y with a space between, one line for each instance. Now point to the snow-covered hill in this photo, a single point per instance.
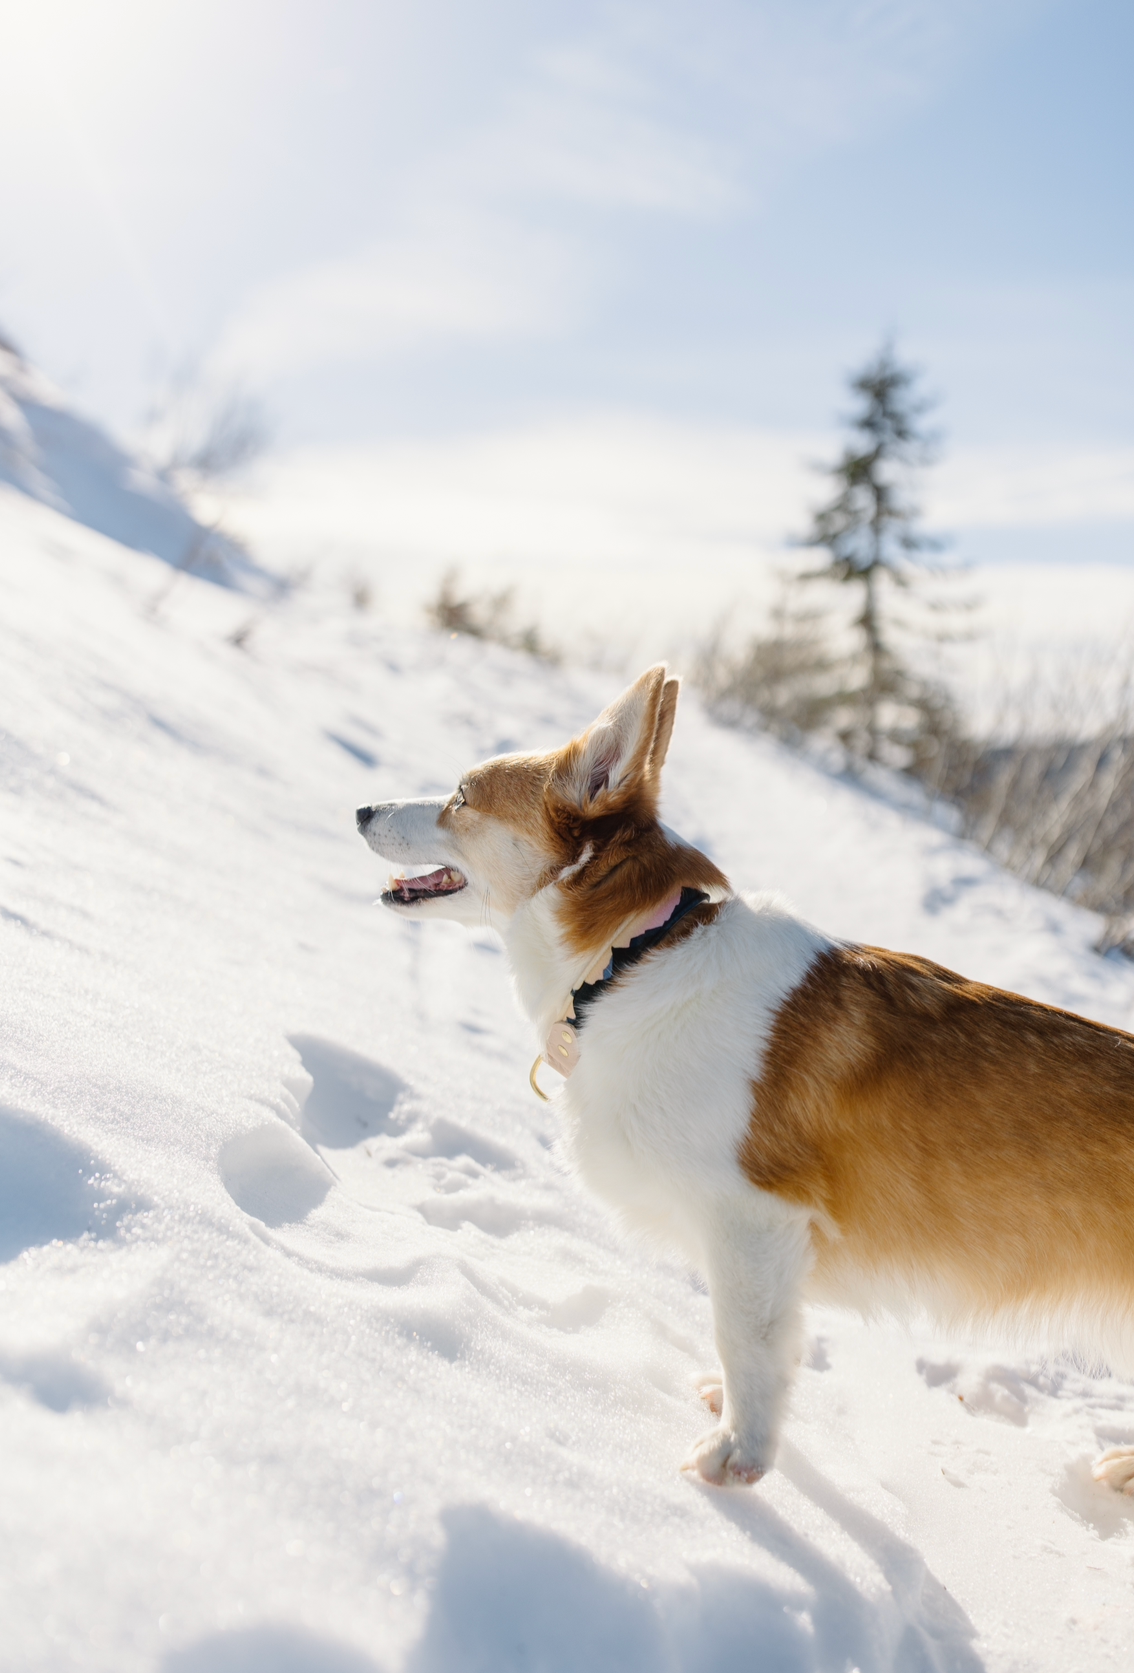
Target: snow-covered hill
pixel 312 1357
pixel 54 455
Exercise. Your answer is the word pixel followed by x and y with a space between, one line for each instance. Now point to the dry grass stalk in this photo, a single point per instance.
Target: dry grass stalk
pixel 484 616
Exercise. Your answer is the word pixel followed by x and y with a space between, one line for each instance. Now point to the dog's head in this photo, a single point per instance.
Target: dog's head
pixel 583 817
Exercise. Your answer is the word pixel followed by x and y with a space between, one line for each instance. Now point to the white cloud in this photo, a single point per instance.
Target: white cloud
pixel 472 261
pixel 469 259
pixel 445 277
pixel 585 130
pixel 1000 488
pixel 511 222
pixel 433 173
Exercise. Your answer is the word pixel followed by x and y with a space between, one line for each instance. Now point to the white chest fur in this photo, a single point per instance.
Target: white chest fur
pixel 662 1096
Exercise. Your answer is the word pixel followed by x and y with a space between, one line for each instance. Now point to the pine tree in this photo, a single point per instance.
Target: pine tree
pixel 870 529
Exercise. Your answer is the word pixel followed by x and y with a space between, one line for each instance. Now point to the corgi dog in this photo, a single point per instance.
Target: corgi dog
pixel 803 1118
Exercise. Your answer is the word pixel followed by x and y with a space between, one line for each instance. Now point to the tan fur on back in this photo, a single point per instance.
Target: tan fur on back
pixel 969 1144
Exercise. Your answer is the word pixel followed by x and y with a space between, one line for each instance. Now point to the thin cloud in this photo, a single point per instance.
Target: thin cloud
pixel 583 131
pixel 505 231
pixel 1034 488
pixel 447 277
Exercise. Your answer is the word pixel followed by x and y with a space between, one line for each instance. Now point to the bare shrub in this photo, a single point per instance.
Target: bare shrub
pixel 201 435
pixel 485 615
pixel 1047 788
pixel 1051 793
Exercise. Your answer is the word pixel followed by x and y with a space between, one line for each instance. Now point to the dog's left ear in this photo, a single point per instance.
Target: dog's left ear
pixel 623 751
pixel 667 714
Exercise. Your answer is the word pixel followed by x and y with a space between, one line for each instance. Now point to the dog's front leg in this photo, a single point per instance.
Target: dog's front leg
pixel 756 1260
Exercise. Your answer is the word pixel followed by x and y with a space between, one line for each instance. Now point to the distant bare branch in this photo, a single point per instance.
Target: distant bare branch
pixel 204 434
pixel 1051 795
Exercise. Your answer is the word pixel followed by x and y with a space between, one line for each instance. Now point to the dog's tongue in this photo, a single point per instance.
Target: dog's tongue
pixel 442 878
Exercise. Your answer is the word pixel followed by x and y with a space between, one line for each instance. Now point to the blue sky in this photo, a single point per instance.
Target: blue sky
pixel 444 219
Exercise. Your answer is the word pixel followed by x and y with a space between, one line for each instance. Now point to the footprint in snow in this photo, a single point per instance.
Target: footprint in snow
pixel 488 1213
pixel 52 1189
pixel 996 1391
pixel 356 1105
pixel 353 1123
pixel 273 1175
pixel 1090 1501
pixel 350 1098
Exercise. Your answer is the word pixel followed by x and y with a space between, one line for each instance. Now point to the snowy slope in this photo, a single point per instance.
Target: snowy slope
pixel 312 1357
pixel 54 455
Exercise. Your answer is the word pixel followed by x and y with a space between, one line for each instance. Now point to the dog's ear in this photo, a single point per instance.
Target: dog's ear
pixel 622 752
pixel 667 714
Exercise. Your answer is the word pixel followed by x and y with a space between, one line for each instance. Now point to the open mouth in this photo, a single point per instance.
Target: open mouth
pixel 406 891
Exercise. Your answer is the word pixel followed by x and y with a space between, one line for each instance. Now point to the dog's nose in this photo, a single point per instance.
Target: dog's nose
pixel 363 817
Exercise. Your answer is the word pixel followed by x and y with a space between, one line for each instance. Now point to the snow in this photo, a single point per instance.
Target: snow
pixel 53 454
pixel 313 1357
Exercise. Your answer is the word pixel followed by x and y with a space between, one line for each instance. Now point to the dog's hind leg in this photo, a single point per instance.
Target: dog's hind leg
pixel 757 1256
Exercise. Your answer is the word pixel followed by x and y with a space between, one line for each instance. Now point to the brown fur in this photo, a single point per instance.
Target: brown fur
pixel 631 872
pixel 559 802
pixel 966 1144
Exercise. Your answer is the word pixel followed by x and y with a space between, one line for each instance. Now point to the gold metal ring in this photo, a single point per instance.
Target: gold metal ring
pixel 534 1084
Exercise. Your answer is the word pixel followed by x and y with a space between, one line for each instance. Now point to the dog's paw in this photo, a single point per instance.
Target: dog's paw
pixel 711 1391
pixel 726 1460
pixel 1116 1469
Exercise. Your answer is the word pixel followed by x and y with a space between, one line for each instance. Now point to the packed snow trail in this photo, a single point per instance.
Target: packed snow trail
pixel 312 1356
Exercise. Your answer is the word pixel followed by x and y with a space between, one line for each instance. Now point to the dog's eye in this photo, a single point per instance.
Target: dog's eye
pixel 459 798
